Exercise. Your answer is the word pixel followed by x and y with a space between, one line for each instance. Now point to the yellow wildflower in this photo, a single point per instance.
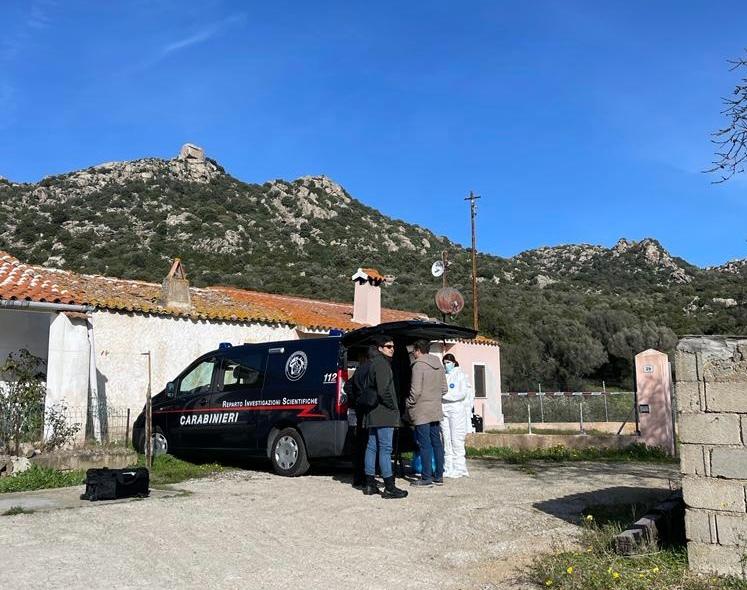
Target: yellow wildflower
pixel 609 570
pixel 656 569
pixel 548 582
pixel 569 569
pixel 615 575
pixel 589 518
pixel 588 549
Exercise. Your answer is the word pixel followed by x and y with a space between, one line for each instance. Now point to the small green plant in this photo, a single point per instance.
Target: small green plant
pixel 13 510
pixel 559 453
pixel 59 430
pixel 168 469
pixel 39 478
pixel 595 566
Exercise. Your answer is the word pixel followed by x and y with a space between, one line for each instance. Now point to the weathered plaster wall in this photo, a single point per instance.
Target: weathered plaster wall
pixel 24 329
pixel 711 394
pixel 67 368
pixel 121 338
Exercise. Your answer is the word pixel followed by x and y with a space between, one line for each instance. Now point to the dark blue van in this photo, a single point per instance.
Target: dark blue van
pixel 281 400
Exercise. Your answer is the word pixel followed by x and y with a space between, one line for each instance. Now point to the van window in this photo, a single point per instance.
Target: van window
pixel 198 379
pixel 244 371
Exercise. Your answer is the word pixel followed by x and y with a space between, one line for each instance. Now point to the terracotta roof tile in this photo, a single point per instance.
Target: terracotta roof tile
pixel 35 283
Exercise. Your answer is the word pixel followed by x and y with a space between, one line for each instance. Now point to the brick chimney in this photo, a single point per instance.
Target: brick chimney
pixel 367 299
pixel 175 288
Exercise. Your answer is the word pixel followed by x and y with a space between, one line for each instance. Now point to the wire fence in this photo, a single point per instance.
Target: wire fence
pixel 563 406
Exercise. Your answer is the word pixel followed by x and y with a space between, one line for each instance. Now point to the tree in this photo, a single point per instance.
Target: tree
pixel 22 392
pixel 731 141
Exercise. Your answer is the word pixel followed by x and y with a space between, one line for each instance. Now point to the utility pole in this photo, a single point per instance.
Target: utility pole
pixel 148 419
pixel 473 212
pixel 445 262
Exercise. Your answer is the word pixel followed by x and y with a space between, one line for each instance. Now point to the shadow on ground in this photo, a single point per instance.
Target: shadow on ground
pixel 620 504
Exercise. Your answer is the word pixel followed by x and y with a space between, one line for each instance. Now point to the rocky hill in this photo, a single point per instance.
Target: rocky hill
pixel 564 314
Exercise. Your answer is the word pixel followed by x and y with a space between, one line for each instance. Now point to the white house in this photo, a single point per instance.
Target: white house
pixel 94 332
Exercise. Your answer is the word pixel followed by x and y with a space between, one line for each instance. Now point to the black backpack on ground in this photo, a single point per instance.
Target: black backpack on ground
pixel 111 484
pixel 477 422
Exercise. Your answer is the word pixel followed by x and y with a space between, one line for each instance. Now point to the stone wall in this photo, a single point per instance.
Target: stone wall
pixel 525 442
pixel 711 395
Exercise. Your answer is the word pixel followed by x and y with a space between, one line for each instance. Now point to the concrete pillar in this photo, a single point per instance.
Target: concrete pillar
pixel 654 387
pixel 712 416
pixel 68 369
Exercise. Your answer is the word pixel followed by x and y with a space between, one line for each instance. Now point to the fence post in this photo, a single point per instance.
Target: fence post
pixel 581 414
pixel 127 430
pixel 542 408
pixel 529 417
pixel 606 411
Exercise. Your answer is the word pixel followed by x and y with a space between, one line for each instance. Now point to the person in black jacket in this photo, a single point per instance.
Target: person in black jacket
pixel 382 420
pixel 354 389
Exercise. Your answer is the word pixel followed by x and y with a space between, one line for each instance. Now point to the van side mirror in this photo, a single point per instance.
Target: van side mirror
pixel 171 389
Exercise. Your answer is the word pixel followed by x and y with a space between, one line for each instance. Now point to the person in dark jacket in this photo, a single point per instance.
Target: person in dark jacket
pixel 354 389
pixel 382 420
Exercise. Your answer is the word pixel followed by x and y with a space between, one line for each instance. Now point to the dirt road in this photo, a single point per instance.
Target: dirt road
pixel 252 529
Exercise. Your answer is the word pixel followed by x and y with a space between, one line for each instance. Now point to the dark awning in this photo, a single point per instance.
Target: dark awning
pixel 409 331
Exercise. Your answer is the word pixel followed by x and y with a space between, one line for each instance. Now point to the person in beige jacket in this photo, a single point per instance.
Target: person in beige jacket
pixel 424 410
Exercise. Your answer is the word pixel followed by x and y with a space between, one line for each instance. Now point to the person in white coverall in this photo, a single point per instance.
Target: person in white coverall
pixel 454 422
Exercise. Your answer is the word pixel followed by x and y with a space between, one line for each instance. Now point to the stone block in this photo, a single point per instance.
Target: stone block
pixel 685 365
pixel 726 397
pixel 688 397
pixel 731 463
pixel 710 429
pixel 698 526
pixel 694 460
pixel 713 494
pixel 714 559
pixel 732 529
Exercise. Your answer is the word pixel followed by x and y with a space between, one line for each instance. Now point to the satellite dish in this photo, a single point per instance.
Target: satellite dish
pixel 449 301
pixel 437 268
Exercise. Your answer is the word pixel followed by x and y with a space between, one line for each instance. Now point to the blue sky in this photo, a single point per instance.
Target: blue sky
pixel 576 121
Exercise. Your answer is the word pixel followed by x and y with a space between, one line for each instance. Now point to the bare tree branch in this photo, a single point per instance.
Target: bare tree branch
pixel 731 141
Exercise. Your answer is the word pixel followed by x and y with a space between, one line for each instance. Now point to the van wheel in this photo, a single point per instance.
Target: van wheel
pixel 288 454
pixel 160 443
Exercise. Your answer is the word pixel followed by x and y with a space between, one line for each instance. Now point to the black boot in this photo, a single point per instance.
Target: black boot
pixel 371 488
pixel 391 491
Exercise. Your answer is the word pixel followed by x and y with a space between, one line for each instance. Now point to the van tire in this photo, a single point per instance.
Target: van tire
pixel 161 444
pixel 288 453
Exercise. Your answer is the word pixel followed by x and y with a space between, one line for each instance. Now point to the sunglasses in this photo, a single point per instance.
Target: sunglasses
pixel 388 346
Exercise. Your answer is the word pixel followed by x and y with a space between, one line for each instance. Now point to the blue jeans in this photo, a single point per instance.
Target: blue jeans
pixel 431 447
pixel 380 438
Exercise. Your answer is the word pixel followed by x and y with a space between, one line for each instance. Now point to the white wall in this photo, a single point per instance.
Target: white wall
pixel 121 338
pixel 24 329
pixel 67 368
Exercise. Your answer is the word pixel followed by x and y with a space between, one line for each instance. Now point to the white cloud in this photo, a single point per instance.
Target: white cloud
pixel 205 34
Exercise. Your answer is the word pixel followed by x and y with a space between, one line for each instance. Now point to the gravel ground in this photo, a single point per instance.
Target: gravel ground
pixel 252 529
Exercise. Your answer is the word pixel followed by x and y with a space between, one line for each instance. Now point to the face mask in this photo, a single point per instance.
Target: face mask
pixel 449 366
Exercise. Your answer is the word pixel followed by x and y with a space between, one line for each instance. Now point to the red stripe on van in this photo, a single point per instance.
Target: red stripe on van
pixel 306 409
